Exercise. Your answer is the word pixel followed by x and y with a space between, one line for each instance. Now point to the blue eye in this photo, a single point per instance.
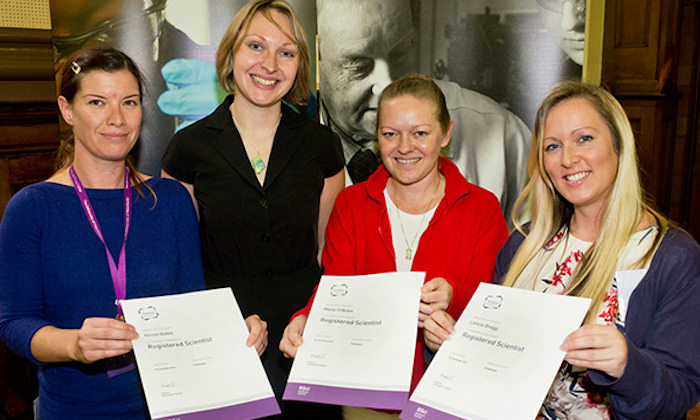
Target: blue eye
pixel 288 54
pixel 255 46
pixel 388 134
pixel 550 147
pixel 585 138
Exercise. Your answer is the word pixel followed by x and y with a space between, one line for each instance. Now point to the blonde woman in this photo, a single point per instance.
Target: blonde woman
pixel 592 234
pixel 264 178
pixel 415 213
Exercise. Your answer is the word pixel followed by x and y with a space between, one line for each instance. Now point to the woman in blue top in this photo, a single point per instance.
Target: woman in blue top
pixel 66 258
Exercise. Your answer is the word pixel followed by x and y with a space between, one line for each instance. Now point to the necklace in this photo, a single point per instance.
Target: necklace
pixel 257 161
pixel 258 164
pixel 408 253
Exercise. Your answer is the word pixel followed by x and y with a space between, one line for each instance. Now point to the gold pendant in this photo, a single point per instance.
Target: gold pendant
pixel 408 253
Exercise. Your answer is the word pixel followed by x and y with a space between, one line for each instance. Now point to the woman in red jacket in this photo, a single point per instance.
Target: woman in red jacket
pixel 415 213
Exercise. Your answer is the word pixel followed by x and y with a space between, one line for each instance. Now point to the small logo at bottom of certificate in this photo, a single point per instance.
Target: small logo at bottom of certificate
pixel 420 413
pixel 303 390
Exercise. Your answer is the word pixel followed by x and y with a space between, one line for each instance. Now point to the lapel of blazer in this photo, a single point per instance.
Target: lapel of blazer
pixel 228 142
pixel 288 139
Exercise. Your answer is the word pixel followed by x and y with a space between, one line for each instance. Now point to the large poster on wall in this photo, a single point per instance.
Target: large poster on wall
pixel 494 59
pixel 173 42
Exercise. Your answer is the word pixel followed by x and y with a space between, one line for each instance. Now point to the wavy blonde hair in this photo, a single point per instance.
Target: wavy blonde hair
pixel 233 37
pixel 550 212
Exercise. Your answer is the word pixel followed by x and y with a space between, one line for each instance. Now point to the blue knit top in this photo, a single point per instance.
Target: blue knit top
pixel 55 272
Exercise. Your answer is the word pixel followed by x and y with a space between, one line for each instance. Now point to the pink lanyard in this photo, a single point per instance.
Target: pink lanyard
pixel 118 272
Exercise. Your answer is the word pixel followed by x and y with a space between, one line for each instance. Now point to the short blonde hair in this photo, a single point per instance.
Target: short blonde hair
pixel 550 211
pixel 231 41
pixel 421 87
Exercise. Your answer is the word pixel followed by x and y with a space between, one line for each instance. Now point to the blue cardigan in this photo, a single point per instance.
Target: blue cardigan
pixel 55 272
pixel 662 376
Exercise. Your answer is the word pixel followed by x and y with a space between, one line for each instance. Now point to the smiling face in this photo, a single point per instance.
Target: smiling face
pixel 361 54
pixel 410 139
pixel 578 155
pixel 266 62
pixel 105 115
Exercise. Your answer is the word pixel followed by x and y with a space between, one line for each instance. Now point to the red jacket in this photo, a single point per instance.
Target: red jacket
pixel 460 243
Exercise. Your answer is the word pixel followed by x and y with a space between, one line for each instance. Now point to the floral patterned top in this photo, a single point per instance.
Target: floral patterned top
pixel 573 395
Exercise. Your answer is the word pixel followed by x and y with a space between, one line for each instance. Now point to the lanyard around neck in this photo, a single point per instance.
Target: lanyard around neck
pixel 118 272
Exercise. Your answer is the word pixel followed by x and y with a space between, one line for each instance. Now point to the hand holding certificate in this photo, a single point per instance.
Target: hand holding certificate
pixel 501 358
pixel 193 359
pixel 359 341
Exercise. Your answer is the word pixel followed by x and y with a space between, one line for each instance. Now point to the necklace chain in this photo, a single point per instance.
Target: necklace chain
pixel 408 254
pixel 257 161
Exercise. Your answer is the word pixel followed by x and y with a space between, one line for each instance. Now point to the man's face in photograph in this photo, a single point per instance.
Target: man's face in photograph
pixel 363 46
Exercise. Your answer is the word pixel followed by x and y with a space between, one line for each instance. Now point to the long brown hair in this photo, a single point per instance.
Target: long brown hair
pixel 76 66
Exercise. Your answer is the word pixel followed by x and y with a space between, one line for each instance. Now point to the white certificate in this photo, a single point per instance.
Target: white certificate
pixel 359 341
pixel 501 359
pixel 193 360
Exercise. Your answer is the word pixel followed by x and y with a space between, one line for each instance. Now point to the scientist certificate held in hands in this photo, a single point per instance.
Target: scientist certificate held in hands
pixel 359 341
pixel 193 360
pixel 501 359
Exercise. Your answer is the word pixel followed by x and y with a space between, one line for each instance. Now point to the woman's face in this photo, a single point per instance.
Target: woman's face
pixel 410 138
pixel 105 115
pixel 266 62
pixel 578 154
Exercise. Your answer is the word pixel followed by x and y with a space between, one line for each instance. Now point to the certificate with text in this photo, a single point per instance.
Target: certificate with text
pixel 501 359
pixel 359 341
pixel 193 360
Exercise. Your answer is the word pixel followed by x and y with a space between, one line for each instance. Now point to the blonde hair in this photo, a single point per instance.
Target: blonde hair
pixel 550 212
pixel 421 87
pixel 233 37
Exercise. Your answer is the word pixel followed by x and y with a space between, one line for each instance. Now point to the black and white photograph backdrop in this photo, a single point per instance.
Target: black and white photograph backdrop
pixel 494 60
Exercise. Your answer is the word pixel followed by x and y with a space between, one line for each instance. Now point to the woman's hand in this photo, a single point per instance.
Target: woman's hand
pixel 258 333
pixel 101 338
pixel 291 339
pixel 436 329
pixel 435 295
pixel 599 347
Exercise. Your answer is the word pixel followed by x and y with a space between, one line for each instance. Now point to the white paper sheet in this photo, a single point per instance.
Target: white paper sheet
pixel 193 360
pixel 501 359
pixel 359 341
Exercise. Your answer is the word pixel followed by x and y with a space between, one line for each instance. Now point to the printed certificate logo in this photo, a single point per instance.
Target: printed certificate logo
pixel 148 312
pixel 339 289
pixel 420 413
pixel 493 301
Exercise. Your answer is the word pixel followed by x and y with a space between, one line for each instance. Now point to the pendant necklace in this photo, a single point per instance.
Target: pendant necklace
pixel 257 161
pixel 258 164
pixel 409 246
